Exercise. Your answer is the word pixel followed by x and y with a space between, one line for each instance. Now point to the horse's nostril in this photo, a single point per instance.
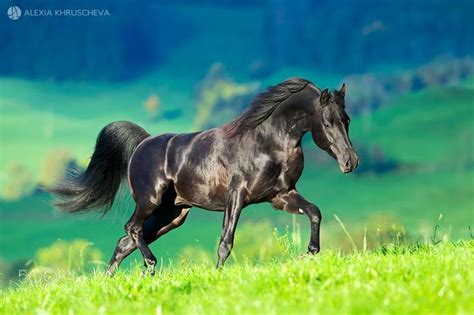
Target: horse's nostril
pixel 348 163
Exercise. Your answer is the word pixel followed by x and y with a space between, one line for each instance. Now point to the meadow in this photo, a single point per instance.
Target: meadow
pixel 396 235
pixel 396 279
pixel 394 247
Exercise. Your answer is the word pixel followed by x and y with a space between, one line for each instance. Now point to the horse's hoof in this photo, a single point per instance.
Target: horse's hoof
pixel 109 273
pixel 312 250
pixel 148 270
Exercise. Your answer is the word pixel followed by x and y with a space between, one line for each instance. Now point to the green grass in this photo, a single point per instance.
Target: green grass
pixel 422 279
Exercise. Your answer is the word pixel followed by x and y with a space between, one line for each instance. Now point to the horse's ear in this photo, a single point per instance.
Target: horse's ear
pixel 343 89
pixel 324 98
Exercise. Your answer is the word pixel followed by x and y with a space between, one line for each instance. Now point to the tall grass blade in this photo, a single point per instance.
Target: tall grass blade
pixel 354 246
pixel 364 246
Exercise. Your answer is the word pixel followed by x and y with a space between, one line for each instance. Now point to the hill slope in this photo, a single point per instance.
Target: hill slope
pixel 430 132
pixel 435 279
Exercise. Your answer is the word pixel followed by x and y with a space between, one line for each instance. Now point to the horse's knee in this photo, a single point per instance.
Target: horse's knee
pixel 314 213
pixel 133 230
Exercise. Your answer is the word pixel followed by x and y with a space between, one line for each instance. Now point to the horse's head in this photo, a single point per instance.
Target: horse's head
pixel 330 129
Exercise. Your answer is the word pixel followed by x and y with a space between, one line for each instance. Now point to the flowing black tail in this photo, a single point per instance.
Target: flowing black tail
pixel 97 186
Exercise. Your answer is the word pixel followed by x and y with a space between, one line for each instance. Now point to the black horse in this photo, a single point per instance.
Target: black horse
pixel 255 158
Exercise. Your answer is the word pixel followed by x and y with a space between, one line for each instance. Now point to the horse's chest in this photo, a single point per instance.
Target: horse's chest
pixel 292 167
pixel 278 173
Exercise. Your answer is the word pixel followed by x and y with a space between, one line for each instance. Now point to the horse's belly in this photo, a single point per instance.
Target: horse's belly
pixel 204 186
pixel 198 194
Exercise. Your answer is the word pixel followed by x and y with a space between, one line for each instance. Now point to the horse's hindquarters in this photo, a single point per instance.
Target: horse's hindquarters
pixel 146 171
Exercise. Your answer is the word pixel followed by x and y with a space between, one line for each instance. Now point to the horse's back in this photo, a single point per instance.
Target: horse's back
pixel 190 162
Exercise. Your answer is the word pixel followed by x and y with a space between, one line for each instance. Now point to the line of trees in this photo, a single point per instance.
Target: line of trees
pixel 348 36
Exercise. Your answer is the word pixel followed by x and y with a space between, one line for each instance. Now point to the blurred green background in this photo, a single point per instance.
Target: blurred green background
pixel 190 65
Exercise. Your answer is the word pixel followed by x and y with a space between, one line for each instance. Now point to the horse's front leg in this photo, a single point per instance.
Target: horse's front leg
pixel 235 202
pixel 293 202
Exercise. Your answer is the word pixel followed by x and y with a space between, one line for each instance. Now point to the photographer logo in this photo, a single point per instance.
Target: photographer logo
pixel 14 12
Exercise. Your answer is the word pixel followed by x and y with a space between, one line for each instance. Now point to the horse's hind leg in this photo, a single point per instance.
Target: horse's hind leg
pixel 161 222
pixel 146 203
pixel 134 229
pixel 125 246
pixel 165 218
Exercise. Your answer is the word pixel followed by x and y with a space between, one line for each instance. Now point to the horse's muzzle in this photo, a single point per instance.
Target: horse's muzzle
pixel 349 162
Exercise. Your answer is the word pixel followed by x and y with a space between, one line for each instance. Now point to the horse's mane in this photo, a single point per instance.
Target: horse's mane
pixel 264 104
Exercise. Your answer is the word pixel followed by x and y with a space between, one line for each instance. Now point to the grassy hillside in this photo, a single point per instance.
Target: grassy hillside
pixel 37 117
pixel 434 126
pixel 430 133
pixel 423 279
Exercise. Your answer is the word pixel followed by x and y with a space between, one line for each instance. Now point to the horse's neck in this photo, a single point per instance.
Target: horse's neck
pixel 285 131
pixel 291 119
